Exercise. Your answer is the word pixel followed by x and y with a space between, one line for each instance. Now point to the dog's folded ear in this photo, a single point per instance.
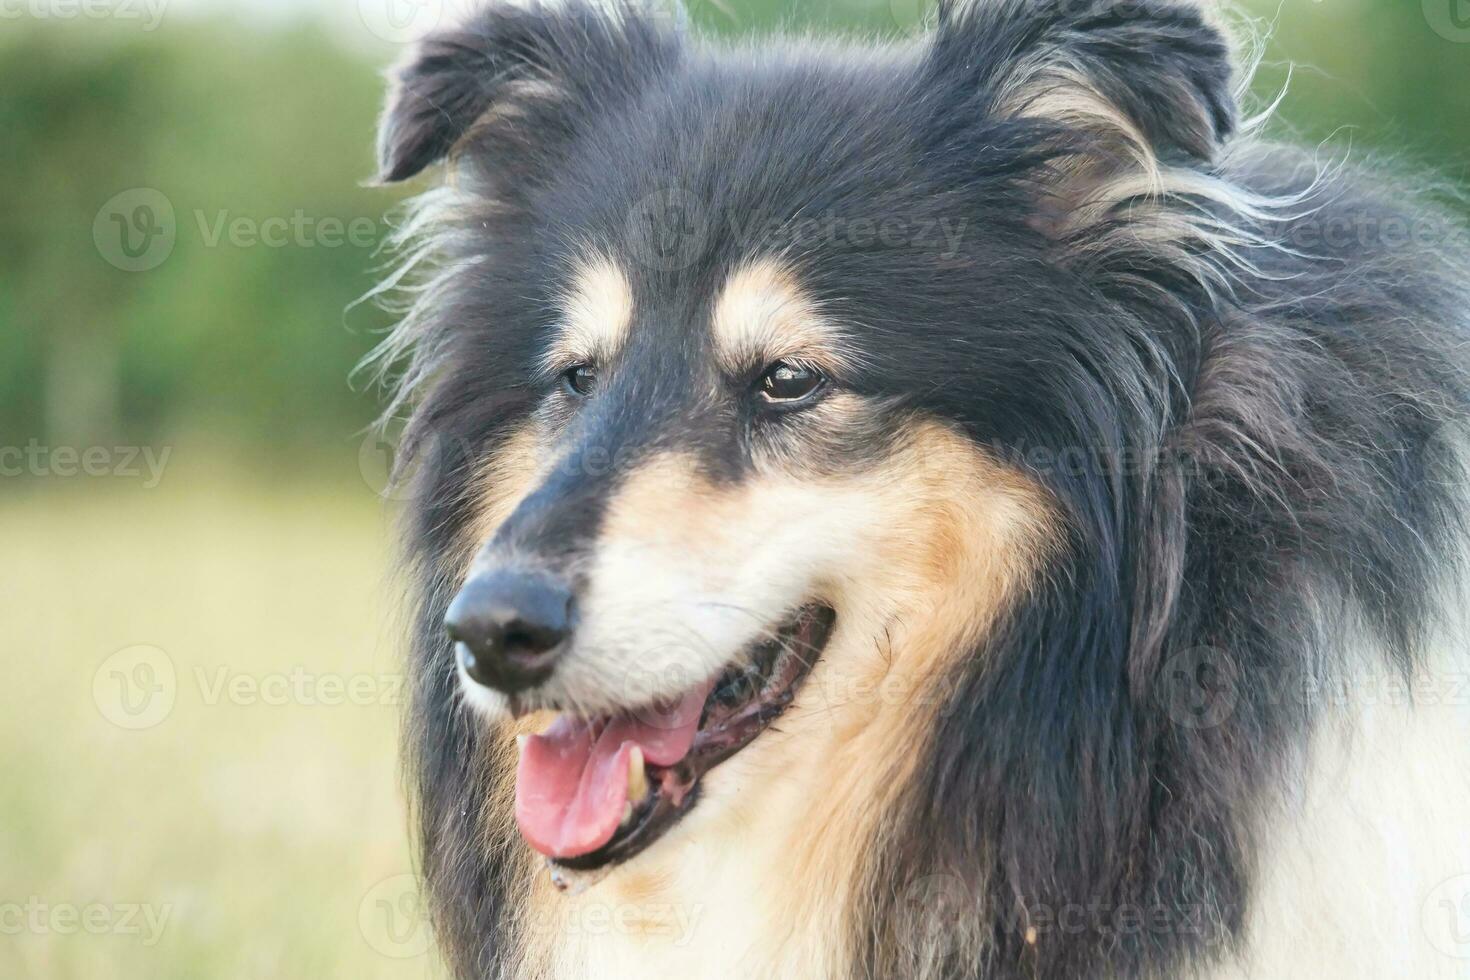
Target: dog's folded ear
pixel 519 75
pixel 1159 69
pixel 1118 89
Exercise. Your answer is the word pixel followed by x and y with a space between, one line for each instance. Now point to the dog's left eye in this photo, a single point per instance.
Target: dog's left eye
pixel 581 380
pixel 787 384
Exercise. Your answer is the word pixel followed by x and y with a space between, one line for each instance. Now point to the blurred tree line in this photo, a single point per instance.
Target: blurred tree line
pixel 258 138
pixel 240 332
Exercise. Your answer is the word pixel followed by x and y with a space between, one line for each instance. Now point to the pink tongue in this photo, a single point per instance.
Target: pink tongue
pixel 572 783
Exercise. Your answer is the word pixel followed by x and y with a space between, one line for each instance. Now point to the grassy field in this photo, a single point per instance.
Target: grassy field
pixel 200 774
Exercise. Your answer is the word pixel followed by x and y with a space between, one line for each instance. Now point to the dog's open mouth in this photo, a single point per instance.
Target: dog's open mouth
pixel 592 793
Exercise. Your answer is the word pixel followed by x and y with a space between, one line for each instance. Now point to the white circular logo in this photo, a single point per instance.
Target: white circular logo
pixel 1450 19
pixel 377 462
pixel 393 918
pixel 668 230
pixel 908 14
pixel 1446 917
pixel 396 478
pixel 936 906
pixel 1199 688
pixel 136 231
pixel 649 680
pixel 400 21
pixel 136 688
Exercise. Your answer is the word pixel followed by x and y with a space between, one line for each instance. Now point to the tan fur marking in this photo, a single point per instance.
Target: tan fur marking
pixel 763 315
pixel 1064 93
pixel 639 886
pixel 972 536
pixel 599 313
pixel 503 483
pixel 511 108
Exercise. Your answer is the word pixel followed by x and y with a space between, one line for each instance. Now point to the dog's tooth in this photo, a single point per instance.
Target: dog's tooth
pixel 627 815
pixel 521 742
pixel 637 777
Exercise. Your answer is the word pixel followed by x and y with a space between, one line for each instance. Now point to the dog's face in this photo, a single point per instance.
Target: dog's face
pixel 710 486
pixel 720 452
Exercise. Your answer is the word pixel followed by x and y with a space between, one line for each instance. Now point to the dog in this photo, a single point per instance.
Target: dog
pixel 964 507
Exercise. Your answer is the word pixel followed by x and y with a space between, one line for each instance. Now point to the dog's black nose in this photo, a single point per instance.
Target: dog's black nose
pixel 510 627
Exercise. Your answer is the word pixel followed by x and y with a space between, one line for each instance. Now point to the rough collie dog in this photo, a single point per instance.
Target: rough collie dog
pixel 960 508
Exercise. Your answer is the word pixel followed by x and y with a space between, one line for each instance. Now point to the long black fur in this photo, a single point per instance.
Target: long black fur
pixel 1250 429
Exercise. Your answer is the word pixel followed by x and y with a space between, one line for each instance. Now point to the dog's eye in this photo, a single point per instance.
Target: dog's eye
pixel 787 385
pixel 581 380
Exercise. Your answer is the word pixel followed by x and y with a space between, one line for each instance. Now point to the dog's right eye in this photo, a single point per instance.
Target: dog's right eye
pixel 788 384
pixel 581 380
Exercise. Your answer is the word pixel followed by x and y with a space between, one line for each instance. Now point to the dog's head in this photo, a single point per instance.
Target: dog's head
pixel 743 378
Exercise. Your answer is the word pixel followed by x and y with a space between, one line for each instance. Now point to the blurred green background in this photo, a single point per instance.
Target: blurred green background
pixel 201 774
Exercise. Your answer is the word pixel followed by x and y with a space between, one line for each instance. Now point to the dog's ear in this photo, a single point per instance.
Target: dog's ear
pixel 525 75
pixel 1118 88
